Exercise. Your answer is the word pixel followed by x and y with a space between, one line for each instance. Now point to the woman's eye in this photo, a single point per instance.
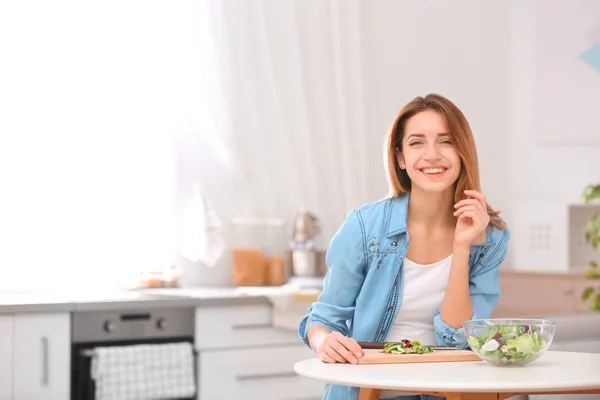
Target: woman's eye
pixel 416 142
pixel 446 142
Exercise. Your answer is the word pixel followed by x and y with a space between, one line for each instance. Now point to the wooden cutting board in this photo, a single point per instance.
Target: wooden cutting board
pixel 375 356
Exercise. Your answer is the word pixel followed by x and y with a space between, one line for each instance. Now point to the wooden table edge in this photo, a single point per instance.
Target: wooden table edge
pixel 373 394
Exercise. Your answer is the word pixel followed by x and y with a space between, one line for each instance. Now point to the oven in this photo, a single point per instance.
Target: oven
pixel 122 328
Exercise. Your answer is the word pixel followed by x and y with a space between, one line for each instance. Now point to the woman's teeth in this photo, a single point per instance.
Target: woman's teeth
pixel 433 170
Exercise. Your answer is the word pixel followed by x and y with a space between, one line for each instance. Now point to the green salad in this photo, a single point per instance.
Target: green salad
pixel 406 346
pixel 508 343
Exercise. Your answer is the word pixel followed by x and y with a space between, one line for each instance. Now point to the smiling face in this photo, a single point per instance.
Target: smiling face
pixel 428 154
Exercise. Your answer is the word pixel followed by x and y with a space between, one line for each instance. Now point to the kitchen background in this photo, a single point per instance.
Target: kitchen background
pixel 113 115
pixel 149 143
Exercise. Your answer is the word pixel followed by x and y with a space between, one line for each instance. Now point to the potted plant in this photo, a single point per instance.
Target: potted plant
pixel 592 236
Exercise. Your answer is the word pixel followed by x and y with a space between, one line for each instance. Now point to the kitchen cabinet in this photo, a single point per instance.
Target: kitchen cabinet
pixel 241 355
pixel 42 356
pixel 6 357
pixel 256 373
pixel 533 293
pixel 223 327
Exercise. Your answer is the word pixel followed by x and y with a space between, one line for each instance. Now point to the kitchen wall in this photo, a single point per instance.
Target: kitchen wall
pixel 485 56
pixel 553 151
pixel 459 49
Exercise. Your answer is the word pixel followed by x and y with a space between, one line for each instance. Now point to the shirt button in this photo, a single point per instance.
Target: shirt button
pixel 390 308
pixel 394 243
pixel 382 332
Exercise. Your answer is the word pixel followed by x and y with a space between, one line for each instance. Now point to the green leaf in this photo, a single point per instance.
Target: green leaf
pixel 593 264
pixel 595 194
pixel 586 192
pixel 591 274
pixel 595 302
pixel 587 293
pixel 592 229
pixel 591 192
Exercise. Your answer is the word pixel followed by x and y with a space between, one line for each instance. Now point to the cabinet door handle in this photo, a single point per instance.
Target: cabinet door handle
pixel 251 326
pixel 266 376
pixel 45 361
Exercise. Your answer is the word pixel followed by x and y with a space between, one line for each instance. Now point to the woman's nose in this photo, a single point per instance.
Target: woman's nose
pixel 432 153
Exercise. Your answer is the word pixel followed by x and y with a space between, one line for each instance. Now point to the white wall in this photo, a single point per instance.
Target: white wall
pixel 545 178
pixel 482 55
pixel 457 49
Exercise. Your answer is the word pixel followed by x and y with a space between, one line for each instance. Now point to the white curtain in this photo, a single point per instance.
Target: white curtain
pixel 112 113
pixel 92 97
pixel 292 81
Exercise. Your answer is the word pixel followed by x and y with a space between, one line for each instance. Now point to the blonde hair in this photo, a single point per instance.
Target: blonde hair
pixel 463 141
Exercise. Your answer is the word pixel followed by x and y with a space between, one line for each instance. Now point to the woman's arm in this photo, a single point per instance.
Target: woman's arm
pixel 460 300
pixel 346 263
pixel 316 334
pixel 457 306
pixel 484 292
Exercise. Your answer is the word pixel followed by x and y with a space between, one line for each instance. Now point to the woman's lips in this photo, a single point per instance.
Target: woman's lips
pixel 433 172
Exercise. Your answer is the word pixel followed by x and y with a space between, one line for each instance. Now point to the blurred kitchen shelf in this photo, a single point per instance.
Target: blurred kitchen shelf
pixel 528 293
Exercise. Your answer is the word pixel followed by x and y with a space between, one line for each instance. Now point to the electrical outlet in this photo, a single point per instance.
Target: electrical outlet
pixel 580 252
pixel 539 238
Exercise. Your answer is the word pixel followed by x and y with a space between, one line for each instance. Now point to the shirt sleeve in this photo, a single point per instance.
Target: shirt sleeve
pixel 346 266
pixel 484 287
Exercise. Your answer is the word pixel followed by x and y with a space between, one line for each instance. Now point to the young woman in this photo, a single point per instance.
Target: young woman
pixel 419 263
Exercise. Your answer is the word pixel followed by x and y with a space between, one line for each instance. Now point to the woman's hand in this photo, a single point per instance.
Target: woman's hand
pixel 339 348
pixel 473 219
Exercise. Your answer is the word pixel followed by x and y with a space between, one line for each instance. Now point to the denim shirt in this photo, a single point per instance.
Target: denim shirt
pixel 362 290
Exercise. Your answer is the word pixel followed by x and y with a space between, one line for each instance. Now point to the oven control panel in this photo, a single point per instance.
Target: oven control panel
pixel 97 326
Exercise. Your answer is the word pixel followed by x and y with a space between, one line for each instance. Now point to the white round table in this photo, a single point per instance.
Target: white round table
pixel 553 373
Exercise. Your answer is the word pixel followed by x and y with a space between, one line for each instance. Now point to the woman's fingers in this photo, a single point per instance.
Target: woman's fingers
pixel 468 214
pixel 475 194
pixel 339 348
pixel 471 202
pixel 343 352
pixel 464 209
pixel 326 359
pixel 352 345
pixel 332 353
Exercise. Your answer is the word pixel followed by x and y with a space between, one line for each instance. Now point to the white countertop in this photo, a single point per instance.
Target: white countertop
pixel 80 299
pixel 554 371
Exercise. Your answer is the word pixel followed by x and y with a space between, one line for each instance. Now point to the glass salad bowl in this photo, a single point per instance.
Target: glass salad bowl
pixel 509 341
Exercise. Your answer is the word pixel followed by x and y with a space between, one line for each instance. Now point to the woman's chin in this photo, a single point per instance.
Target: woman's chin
pixel 433 187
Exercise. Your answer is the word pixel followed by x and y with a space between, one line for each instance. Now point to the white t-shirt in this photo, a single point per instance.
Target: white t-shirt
pixel 422 295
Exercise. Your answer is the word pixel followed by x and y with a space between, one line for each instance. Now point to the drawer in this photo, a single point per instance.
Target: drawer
pixel 261 373
pixel 239 326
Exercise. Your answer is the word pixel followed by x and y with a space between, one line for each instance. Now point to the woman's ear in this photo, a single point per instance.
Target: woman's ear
pixel 400 158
